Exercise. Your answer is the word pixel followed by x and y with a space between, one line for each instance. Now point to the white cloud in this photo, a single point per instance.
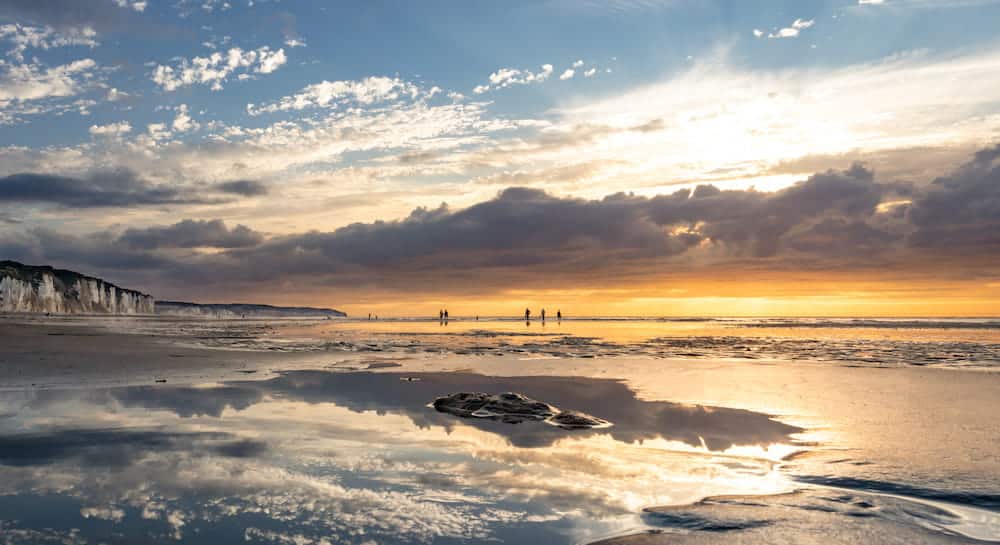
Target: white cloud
pixel 33 89
pixel 715 116
pixel 590 72
pixel 578 63
pixel 183 122
pixel 792 31
pixel 330 94
pixel 137 5
pixel 24 37
pixel 295 42
pixel 758 32
pixel 505 77
pixel 863 2
pixel 217 67
pixel 111 129
pixel 158 131
pixel 569 73
pixel 270 60
pixel 114 95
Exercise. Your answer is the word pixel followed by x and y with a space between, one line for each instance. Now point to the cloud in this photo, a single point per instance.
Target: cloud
pixel 589 72
pixel 506 77
pixel 836 220
pixel 567 74
pixel 247 188
pixel 192 234
pixel 24 82
pixel 718 116
pixel 331 94
pixel 215 69
pixel 111 129
pixel 32 88
pixel 792 31
pixel 961 211
pixel 114 188
pixel 183 122
pixel 114 95
pixel 25 37
pixel 136 5
pixel 116 446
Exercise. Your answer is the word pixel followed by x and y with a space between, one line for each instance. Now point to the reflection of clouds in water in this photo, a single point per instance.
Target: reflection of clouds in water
pixel 11 534
pixel 180 490
pixel 357 457
pixel 634 419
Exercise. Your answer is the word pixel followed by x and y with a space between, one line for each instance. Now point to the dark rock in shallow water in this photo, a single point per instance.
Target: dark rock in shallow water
pixel 513 408
pixel 573 420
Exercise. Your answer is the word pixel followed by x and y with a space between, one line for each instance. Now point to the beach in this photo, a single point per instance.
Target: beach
pixel 289 431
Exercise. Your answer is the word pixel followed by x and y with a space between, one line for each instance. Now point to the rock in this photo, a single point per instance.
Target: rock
pixel 573 420
pixel 507 407
pixel 513 408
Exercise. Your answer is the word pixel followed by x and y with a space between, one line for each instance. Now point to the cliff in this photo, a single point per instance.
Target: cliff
pixel 243 310
pixel 28 288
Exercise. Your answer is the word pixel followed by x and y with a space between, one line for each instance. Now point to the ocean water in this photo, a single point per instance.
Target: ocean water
pixel 737 430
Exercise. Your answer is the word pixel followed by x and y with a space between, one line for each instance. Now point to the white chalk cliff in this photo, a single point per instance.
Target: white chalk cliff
pixel 27 288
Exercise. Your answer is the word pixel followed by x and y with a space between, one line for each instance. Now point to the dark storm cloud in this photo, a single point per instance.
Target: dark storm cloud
pixel 528 227
pixel 246 188
pixel 117 188
pixel 101 251
pixel 837 220
pixel 99 189
pixel 192 234
pixel 962 208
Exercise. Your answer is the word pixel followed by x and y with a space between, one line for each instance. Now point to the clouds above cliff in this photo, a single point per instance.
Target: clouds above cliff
pixel 836 221
pixel 192 234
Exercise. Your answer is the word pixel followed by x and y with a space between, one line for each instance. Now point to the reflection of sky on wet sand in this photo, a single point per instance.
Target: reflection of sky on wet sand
pixel 951 343
pixel 359 458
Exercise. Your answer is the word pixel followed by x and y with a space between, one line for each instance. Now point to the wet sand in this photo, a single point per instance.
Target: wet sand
pixel 869 434
pixel 72 353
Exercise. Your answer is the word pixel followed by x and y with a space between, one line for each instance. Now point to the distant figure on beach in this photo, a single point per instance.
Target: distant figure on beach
pixel 441 315
pixel 446 315
pixel 527 315
pixel 559 315
pixel 369 316
pixel 543 315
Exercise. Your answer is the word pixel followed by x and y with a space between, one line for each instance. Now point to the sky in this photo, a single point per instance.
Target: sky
pixel 654 157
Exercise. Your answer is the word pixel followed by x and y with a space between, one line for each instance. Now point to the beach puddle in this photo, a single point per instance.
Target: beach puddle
pixel 357 456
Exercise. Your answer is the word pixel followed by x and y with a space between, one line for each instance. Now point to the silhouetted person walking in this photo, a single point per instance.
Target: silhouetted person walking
pixel 559 315
pixel 527 315
pixel 543 315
